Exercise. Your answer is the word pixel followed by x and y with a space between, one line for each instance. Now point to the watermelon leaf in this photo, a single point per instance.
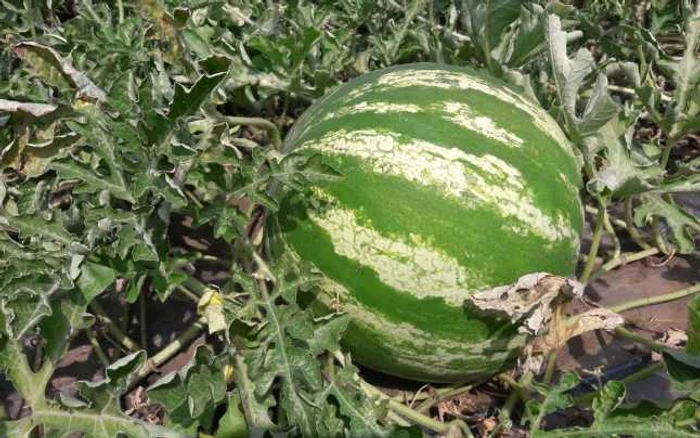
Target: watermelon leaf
pixel 487 21
pixel 191 391
pixel 569 73
pixel 683 226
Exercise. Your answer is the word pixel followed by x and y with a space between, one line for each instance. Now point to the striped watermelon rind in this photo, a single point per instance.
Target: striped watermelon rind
pixel 452 183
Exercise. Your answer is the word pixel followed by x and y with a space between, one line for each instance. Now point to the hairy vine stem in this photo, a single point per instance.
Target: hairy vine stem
pixel 632 336
pixel 411 414
pixel 642 374
pixel 642 302
pixel 521 391
pixel 631 228
pixel 621 260
pixel 170 350
pixel 267 125
pixel 101 355
pixel 112 328
pixel 143 328
pixel 595 244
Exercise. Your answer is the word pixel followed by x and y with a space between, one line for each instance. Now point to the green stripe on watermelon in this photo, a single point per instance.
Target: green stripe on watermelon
pixel 445 192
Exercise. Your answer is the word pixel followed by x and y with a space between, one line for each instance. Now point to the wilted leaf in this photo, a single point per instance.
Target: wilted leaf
pixel 560 332
pixel 211 307
pixel 65 65
pixel 34 109
pixel 528 301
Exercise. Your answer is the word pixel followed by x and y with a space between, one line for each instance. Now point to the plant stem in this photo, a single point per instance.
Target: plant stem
pixel 193 198
pixel 97 347
pixel 170 350
pixel 217 260
pixel 595 244
pixel 120 8
pixel 143 332
pixel 632 336
pixel 633 93
pixel 666 153
pixel 124 323
pixel 519 391
pixel 425 406
pixel 396 418
pixel 623 259
pixel 551 366
pixel 642 302
pixel 617 222
pixel 448 391
pixel 116 344
pixel 188 293
pixel 631 228
pixel 195 286
pixel 122 338
pixel 405 411
pixel 270 127
pixel 642 374
pixel 658 238
pixel 611 232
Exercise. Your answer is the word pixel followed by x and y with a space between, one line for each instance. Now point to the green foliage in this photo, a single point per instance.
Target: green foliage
pixel 610 416
pixel 190 394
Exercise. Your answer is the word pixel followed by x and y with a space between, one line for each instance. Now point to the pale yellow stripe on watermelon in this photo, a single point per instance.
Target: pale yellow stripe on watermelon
pixel 449 80
pixel 471 179
pixel 434 351
pixel 374 107
pixel 411 266
pixel 456 112
pixel 461 114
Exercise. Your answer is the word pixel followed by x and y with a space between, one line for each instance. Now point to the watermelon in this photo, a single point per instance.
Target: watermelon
pixel 451 183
